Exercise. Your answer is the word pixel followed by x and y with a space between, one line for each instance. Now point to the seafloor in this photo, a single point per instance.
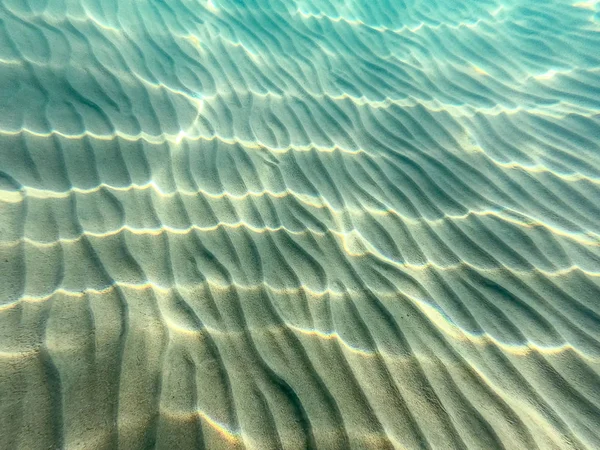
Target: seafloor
pixel 290 224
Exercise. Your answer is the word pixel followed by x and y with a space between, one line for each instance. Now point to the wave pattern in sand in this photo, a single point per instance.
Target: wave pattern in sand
pixel 299 224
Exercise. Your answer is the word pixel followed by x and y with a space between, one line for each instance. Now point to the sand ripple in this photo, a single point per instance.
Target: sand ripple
pixel 299 224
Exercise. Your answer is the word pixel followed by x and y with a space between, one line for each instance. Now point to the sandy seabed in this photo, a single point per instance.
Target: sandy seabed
pixel 279 224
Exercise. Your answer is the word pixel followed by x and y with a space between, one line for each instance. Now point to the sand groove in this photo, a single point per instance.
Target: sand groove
pixel 299 224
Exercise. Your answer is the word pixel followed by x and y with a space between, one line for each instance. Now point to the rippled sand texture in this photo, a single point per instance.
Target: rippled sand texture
pixel 299 224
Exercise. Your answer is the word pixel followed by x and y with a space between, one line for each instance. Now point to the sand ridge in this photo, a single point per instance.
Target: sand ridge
pixel 299 224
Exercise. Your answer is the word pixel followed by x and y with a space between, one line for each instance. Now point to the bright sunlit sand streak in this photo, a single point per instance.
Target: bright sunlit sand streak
pixel 353 242
pixel 590 4
pixel 152 286
pixel 13 356
pixel 444 323
pixel 548 75
pixel 360 23
pixel 12 62
pixel 179 137
pixel 211 6
pixel 589 238
pixel 434 315
pixel 437 319
pixel 10 196
pixel 539 168
pixel 231 436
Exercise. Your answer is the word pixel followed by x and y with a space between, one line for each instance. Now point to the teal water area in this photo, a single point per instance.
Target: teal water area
pixel 299 224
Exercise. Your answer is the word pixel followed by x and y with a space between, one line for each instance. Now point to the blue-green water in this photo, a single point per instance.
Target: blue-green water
pixel 325 224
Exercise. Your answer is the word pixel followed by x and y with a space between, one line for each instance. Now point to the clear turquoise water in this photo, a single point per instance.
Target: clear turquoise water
pixel 299 224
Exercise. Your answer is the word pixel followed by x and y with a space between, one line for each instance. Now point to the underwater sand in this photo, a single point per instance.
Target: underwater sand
pixel 331 224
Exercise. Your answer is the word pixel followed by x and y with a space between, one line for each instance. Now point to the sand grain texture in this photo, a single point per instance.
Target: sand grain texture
pixel 269 224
